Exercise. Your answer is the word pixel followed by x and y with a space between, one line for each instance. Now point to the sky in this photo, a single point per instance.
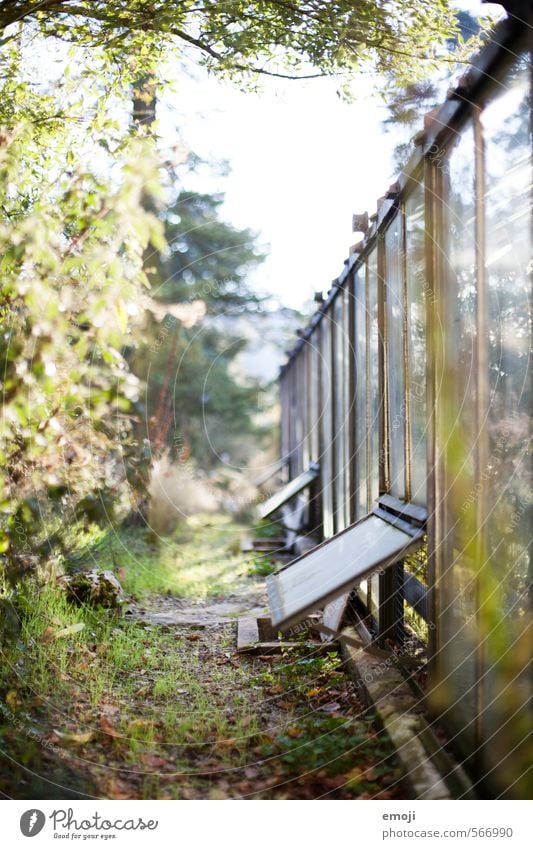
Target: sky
pixel 301 164
pixel 302 161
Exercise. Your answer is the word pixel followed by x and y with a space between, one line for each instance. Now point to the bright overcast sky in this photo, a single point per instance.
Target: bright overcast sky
pixel 302 162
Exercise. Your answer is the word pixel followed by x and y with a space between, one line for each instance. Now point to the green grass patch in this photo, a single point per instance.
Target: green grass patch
pixel 116 708
pixel 262 565
pixel 267 529
pixel 201 560
pixel 322 742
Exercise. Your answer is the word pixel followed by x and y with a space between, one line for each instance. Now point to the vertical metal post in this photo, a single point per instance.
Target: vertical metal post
pixel 391 606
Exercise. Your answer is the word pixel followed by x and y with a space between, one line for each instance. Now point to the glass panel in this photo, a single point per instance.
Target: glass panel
pixel 339 402
pixel 304 382
pixel 505 611
pixel 395 355
pixel 417 289
pixel 330 569
pixel 360 396
pixel 299 407
pixel 456 405
pixel 373 376
pixel 326 459
pixel 348 401
pixel 314 400
pixel 288 492
pixel 292 420
pixel 285 414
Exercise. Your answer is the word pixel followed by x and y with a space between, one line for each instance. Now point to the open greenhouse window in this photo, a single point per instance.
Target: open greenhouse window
pixel 289 491
pixel 381 539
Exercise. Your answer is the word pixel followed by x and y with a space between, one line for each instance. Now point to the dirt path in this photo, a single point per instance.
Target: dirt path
pixel 157 703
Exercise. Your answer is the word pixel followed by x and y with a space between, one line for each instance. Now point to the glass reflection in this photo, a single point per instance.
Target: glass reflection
pixel 505 611
pixel 417 292
pixel 362 506
pixel 395 356
pixel 456 405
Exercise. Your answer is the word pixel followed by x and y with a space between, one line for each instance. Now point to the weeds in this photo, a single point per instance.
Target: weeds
pixel 262 565
pixel 119 709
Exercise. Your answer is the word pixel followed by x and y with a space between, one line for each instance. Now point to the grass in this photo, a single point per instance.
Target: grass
pixel 327 744
pixel 121 709
pixel 263 565
pixel 181 565
pixel 123 687
pixel 267 529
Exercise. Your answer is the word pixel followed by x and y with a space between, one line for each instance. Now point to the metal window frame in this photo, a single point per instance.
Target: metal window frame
pixel 289 491
pixel 413 532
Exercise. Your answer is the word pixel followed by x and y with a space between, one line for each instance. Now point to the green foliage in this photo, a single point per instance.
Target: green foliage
pixel 72 243
pixel 417 564
pixel 262 565
pixel 407 104
pixel 332 745
pixel 402 37
pixel 207 258
pixel 196 403
pixel 267 528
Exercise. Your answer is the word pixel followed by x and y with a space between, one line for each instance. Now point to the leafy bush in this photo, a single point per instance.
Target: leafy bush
pixel 73 229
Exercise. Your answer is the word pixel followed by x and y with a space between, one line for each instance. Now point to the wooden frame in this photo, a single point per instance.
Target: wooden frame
pixel 337 565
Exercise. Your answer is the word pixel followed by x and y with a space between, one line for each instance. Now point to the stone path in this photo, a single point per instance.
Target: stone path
pixel 170 611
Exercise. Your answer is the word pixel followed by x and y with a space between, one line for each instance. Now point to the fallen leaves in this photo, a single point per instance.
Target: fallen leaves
pixel 109 709
pixel 12 699
pixel 206 734
pixel 294 731
pixel 107 728
pixel 228 743
pixel 114 788
pixel 355 776
pixel 65 738
pixel 153 762
pixel 50 633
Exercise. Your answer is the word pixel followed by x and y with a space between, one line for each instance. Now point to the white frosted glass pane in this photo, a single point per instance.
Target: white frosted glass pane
pixel 339 414
pixel 314 397
pixel 334 567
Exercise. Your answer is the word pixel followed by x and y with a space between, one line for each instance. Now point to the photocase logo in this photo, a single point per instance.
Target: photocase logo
pixel 32 822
